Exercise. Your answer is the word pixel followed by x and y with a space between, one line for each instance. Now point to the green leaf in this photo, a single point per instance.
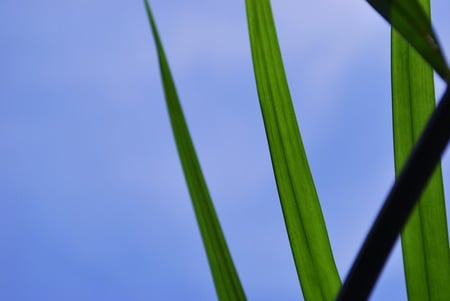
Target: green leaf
pixel 425 241
pixel 398 205
pixel 411 21
pixel 302 213
pixel 228 285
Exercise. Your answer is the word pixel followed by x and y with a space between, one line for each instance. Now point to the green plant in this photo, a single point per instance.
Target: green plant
pixel 303 217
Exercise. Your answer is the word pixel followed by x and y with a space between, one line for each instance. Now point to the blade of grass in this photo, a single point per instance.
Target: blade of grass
pixel 302 213
pixel 399 204
pixel 410 20
pixel 425 241
pixel 226 280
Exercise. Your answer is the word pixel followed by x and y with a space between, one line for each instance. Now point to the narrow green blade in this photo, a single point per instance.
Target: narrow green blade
pixel 425 241
pixel 302 213
pixel 226 280
pixel 411 21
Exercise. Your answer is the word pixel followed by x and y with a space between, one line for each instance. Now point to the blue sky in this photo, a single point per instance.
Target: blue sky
pixel 94 204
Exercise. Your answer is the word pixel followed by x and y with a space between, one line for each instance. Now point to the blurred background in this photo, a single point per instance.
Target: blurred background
pixel 93 204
